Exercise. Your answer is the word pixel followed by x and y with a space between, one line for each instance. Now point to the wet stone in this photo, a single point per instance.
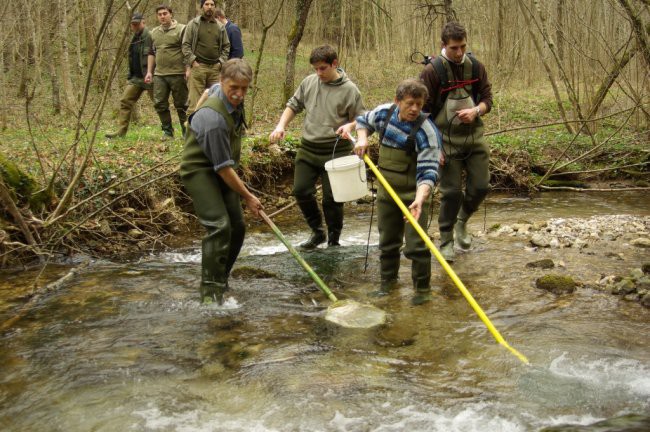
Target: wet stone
pixel 624 287
pixel 546 263
pixel 556 284
pixel 641 242
pixel 246 272
pixel 395 336
pixel 645 301
pixel 539 240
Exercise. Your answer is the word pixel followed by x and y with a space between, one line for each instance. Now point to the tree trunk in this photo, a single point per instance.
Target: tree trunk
pixel 66 76
pixel 547 67
pixel 500 31
pixel 450 14
pixel 609 80
pixel 260 53
pixel 639 29
pixel 559 37
pixel 295 35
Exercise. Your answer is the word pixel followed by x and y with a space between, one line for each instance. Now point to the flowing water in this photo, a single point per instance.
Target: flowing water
pixel 126 346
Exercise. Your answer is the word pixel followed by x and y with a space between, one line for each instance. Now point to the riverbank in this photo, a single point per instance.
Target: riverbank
pixel 128 199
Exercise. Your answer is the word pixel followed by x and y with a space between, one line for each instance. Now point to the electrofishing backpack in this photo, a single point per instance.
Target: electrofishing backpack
pixel 446 85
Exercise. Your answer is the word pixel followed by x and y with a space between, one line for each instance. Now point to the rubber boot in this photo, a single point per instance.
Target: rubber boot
pixel 447 245
pixel 212 292
pixel 421 297
pixel 168 132
pixel 310 210
pixel 463 238
pixel 333 213
pixel 385 288
pixel 389 270
pixel 333 238
pixel 421 276
pixel 117 134
pixel 317 237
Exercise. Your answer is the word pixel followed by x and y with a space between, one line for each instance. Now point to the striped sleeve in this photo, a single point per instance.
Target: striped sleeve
pixel 429 154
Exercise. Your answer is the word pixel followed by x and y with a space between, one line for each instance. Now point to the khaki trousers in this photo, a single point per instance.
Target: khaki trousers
pixel 130 96
pixel 201 77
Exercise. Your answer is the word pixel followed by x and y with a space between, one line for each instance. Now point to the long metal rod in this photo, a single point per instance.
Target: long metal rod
pixel 298 258
pixel 459 284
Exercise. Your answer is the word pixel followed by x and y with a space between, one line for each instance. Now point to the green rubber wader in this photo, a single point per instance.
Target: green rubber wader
pixel 309 166
pixel 399 169
pixel 217 206
pixel 465 150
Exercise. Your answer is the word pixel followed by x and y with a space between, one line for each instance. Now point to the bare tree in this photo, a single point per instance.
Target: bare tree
pixel 295 35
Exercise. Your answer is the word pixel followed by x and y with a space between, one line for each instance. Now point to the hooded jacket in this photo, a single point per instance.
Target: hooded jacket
pixel 327 106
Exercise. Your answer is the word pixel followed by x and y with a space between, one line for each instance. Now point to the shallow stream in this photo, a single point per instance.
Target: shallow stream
pixel 126 346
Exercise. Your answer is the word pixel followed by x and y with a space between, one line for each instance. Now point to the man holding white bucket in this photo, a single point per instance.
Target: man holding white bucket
pixel 330 100
pixel 409 158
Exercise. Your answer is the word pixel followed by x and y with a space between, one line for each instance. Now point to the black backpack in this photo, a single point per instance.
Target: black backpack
pixel 441 71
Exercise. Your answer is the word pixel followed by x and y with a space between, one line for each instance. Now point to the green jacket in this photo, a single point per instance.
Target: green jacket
pixel 190 39
pixel 140 45
pixel 167 48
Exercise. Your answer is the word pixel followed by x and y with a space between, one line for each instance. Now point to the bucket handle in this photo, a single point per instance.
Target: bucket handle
pixel 361 179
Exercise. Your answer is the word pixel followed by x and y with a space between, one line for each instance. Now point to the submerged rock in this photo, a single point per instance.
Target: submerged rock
pixel 624 287
pixel 543 264
pixel 641 242
pixel 247 272
pixel 557 284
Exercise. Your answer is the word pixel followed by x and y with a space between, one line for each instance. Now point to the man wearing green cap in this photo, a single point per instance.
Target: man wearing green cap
pixel 138 51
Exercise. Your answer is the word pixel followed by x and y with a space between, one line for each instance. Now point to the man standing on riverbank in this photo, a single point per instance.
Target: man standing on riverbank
pixel 210 158
pixel 234 35
pixel 330 100
pixel 459 94
pixel 165 68
pixel 409 159
pixel 138 51
pixel 205 50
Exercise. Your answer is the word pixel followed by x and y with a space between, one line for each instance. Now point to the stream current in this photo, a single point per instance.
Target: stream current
pixel 126 346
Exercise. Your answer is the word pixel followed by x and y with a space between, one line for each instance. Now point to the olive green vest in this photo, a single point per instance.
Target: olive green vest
pixel 399 168
pixel 194 158
pixel 460 134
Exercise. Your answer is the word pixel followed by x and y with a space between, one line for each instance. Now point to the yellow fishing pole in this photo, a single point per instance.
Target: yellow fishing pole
pixel 459 284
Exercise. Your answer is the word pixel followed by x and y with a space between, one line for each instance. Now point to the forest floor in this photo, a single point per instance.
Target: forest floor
pixel 130 199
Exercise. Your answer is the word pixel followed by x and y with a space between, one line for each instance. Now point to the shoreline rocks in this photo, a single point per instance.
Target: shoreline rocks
pixel 609 234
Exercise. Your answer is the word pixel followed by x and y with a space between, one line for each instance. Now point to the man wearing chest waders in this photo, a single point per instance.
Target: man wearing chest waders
pixel 210 158
pixel 330 100
pixel 409 158
pixel 459 94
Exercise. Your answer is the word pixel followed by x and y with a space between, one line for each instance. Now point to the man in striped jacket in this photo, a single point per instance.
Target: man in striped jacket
pixel 409 158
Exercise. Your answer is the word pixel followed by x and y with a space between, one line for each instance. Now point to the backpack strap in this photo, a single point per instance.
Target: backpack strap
pixel 476 96
pixel 382 132
pixel 441 72
pixel 410 141
pixel 441 96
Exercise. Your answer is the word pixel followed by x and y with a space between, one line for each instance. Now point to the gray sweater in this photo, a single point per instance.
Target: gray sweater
pixel 327 106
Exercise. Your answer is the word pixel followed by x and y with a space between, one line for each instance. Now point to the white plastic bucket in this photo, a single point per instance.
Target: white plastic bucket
pixel 347 176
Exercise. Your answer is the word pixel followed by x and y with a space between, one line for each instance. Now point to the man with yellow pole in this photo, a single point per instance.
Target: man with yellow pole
pixel 409 158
